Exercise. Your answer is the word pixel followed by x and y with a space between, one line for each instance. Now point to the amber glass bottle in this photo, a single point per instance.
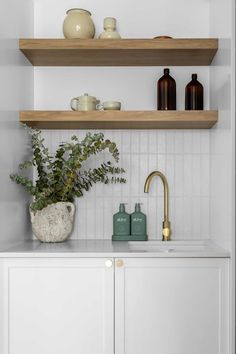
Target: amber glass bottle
pixel 194 94
pixel 166 92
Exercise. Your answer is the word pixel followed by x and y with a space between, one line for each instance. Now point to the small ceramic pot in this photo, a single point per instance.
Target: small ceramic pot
pixel 110 31
pixel 84 103
pixel 53 223
pixel 78 24
pixel 109 105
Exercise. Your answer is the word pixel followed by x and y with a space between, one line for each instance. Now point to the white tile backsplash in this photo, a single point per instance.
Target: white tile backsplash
pixel 183 156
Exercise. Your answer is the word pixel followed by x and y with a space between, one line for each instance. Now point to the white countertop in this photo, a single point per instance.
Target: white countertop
pixel 106 248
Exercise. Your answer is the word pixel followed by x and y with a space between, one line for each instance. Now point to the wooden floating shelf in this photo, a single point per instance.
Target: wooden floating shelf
pixel 119 119
pixel 119 52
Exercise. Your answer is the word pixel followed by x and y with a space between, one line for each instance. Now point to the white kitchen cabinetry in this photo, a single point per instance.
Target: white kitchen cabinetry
pixel 172 306
pixel 56 306
pixel 63 305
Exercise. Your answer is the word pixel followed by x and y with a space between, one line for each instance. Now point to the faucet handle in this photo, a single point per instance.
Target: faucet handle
pixel 166 231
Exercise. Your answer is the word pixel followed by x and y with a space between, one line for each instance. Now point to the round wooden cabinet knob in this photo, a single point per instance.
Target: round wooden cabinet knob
pixel 109 263
pixel 119 263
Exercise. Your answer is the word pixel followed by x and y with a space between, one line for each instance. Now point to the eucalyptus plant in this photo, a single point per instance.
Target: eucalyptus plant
pixel 61 178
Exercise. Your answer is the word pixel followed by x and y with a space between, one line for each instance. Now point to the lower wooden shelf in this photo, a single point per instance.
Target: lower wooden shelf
pixel 119 119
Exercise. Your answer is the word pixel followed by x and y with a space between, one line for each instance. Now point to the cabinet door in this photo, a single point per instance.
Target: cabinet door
pixel 171 306
pixel 56 306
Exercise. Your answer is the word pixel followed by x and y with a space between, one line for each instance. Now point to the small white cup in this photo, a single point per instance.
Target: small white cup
pixel 109 105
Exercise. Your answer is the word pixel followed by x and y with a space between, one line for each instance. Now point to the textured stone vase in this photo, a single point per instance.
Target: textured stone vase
pixel 53 223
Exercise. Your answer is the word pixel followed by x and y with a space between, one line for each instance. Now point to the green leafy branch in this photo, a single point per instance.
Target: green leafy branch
pixel 61 177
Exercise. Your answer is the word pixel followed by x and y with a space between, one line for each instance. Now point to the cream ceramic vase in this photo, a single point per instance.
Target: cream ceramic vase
pixel 78 24
pixel 53 223
pixel 110 31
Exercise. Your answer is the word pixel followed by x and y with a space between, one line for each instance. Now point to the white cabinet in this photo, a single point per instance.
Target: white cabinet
pixel 172 306
pixel 76 305
pixel 56 306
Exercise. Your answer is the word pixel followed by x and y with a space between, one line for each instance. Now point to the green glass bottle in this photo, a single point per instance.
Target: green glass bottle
pixel 121 222
pixel 138 222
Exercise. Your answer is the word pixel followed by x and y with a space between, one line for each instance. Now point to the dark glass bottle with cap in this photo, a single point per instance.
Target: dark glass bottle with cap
pixel 194 94
pixel 166 92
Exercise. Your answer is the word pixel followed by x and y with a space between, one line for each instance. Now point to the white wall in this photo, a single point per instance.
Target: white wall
pixel 222 143
pixel 136 19
pixel 182 155
pixel 16 87
pixel 192 160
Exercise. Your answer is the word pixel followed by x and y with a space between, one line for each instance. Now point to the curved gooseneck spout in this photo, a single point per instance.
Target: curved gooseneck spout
pixel 166 230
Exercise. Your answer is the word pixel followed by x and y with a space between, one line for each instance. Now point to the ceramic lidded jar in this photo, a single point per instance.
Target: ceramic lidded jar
pixel 78 24
pixel 84 103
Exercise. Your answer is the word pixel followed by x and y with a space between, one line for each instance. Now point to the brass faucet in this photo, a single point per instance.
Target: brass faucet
pixel 166 230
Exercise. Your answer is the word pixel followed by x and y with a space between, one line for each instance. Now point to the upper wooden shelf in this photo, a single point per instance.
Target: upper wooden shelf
pixel 119 119
pixel 119 52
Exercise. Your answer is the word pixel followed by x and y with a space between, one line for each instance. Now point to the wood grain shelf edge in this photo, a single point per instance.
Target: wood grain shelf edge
pixel 120 119
pixel 120 52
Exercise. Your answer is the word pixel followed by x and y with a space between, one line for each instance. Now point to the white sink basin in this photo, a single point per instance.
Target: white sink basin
pixel 168 247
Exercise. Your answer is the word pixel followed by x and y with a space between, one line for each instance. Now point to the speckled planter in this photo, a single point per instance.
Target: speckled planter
pixel 53 223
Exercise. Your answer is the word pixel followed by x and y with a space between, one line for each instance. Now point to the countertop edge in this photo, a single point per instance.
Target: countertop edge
pixel 209 254
pixel 105 249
